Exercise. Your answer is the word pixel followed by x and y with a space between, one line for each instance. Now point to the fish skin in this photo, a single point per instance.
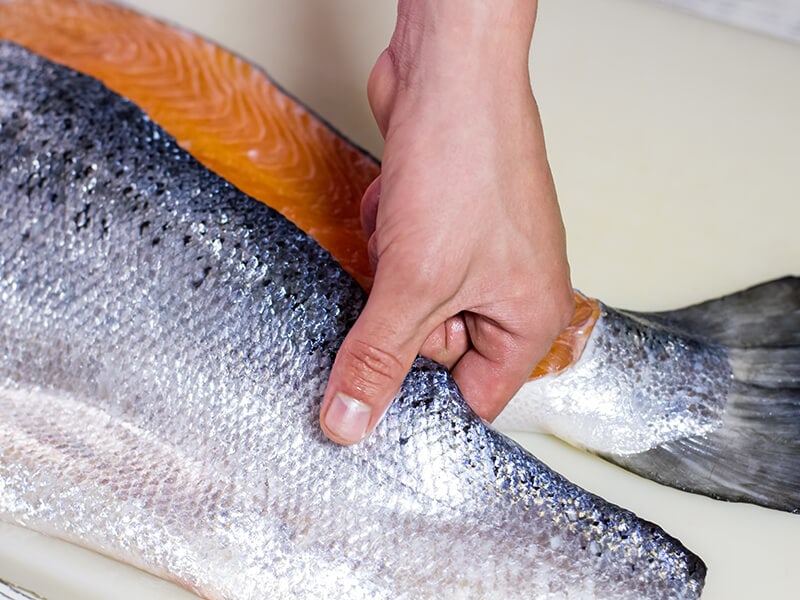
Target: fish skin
pixel 164 344
pixel 635 386
pixel 704 399
pixel 732 462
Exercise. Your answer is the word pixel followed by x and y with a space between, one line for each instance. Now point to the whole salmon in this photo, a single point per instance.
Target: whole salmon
pixel 164 344
pixel 705 399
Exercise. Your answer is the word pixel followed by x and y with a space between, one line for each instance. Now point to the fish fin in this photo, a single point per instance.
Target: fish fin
pixel 754 456
pixel 767 314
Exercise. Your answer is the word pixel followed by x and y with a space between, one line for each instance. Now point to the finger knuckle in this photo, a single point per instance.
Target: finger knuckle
pixel 370 369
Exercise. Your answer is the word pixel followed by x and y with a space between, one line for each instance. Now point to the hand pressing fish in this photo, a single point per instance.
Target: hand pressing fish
pixel 164 344
pixel 704 399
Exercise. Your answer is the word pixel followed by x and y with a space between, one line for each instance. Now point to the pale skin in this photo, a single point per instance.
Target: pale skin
pixel 465 233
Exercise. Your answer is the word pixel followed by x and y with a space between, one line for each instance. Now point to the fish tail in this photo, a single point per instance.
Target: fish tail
pixel 754 456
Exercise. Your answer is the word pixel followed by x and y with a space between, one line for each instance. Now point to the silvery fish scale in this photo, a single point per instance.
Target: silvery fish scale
pixel 164 344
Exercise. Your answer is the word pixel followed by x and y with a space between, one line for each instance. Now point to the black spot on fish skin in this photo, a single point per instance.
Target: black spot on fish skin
pixel 82 218
pixel 15 125
pixel 198 282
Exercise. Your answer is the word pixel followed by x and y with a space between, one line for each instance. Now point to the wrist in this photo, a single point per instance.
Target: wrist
pixel 452 41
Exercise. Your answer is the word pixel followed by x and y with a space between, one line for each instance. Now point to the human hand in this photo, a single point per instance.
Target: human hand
pixel 465 234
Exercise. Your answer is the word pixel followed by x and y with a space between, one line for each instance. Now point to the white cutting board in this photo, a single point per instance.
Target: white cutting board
pixel 675 145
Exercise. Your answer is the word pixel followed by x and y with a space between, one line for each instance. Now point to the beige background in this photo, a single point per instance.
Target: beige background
pixel 675 145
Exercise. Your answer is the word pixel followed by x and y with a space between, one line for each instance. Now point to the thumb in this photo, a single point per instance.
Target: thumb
pixel 372 362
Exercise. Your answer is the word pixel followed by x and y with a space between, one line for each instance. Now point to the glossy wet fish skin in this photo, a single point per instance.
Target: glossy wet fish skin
pixel 164 344
pixel 636 386
pixel 705 398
